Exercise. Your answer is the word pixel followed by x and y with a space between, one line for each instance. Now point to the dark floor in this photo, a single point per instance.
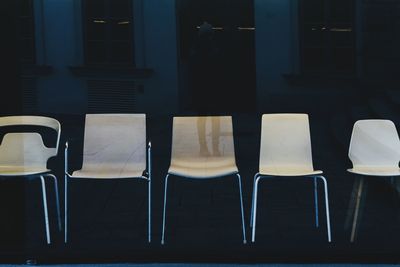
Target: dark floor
pixel 209 265
pixel 108 219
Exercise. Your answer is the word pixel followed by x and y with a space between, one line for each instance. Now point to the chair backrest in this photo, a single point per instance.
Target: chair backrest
pixel 115 142
pixel 285 141
pixel 197 139
pixel 374 143
pixel 27 148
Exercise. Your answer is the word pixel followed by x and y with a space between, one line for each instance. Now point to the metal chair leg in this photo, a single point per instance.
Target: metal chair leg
pixel 357 211
pixel 252 200
pixel 149 169
pixel 164 210
pixel 65 209
pixel 316 202
pixel 352 203
pixel 46 214
pixel 241 207
pixel 253 237
pixel 328 220
pixel 57 200
pixel 149 210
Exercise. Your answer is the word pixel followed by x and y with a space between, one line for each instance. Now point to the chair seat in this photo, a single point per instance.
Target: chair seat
pixel 106 174
pixel 288 171
pixel 22 170
pixel 203 169
pixel 376 171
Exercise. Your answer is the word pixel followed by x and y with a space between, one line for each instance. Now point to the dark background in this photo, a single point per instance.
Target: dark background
pixel 108 218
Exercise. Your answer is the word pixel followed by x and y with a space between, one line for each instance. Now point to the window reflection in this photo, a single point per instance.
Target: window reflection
pixel 108 31
pixel 215 136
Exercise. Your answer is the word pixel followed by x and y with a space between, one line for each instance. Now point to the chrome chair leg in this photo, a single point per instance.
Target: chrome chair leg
pixel 46 214
pixel 149 169
pixel 149 210
pixel 252 200
pixel 57 200
pixel 65 209
pixel 164 210
pixel 253 237
pixel 316 202
pixel 241 207
pixel 328 220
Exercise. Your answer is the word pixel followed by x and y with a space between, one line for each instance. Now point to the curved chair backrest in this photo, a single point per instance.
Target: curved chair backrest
pixel 33 121
pixel 285 141
pixel 199 139
pixel 115 142
pixel 27 148
pixel 374 143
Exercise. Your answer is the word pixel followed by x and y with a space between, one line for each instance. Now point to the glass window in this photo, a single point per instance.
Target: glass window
pixel 26 31
pixel 327 36
pixel 108 32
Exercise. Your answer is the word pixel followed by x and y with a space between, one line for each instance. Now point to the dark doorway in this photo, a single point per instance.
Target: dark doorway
pixel 12 191
pixel 216 55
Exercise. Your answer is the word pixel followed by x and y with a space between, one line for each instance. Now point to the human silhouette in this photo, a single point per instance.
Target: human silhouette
pixel 215 136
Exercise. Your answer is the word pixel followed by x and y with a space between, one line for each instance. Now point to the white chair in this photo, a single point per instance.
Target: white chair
pixel 286 151
pixel 23 153
pixel 374 151
pixel 202 147
pixel 114 148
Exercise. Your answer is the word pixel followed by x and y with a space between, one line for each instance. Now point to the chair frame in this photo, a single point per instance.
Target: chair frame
pixel 42 175
pixel 165 202
pixel 253 218
pixel 360 189
pixel 67 176
pixel 314 176
pixel 202 178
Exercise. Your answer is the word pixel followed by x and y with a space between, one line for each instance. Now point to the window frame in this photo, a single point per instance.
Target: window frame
pixel 32 59
pixel 108 40
pixel 327 46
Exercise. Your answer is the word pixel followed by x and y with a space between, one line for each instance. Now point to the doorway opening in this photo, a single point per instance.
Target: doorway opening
pixel 216 56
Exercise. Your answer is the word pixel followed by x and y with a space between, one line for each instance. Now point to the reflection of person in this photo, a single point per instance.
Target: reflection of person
pixel 203 70
pixel 215 134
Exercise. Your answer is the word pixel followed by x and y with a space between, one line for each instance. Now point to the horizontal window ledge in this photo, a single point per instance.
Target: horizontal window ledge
pixel 111 72
pixel 36 70
pixel 321 79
